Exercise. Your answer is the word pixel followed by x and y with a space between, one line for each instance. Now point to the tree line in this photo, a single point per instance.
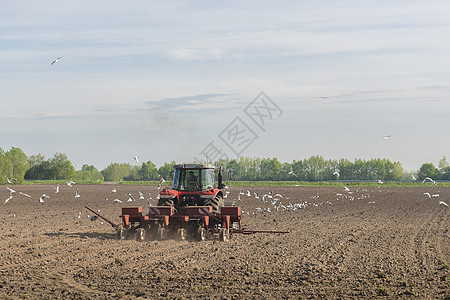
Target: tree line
pixel 16 165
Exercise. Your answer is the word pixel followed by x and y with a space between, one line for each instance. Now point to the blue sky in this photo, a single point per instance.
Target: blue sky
pixel 161 80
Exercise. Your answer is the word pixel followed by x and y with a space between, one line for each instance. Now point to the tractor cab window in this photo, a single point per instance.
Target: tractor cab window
pixel 186 180
pixel 176 179
pixel 207 179
pixel 193 179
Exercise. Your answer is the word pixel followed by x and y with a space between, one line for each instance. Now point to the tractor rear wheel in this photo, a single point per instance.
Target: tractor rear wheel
pixel 216 203
pixel 140 235
pixel 224 234
pixel 121 233
pixel 161 234
pixel 201 233
pixel 181 234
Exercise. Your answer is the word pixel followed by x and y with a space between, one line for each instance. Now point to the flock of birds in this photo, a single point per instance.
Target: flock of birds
pixel 270 201
pixel 43 196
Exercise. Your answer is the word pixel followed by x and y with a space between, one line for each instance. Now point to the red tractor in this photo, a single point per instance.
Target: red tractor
pixel 192 207
pixel 193 185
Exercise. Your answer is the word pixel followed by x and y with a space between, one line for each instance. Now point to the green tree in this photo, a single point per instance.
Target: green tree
pixel 427 170
pixel 166 170
pixel 88 173
pixel 116 171
pixel 2 166
pixel 148 171
pixel 443 163
pixel 62 167
pixel 397 171
pixel 17 164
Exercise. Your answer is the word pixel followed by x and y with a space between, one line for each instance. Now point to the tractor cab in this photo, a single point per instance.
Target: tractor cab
pixel 193 177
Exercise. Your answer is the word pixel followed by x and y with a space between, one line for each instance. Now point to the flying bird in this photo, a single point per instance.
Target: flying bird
pixel 70 183
pixel 77 193
pixel 26 195
pixel 427 194
pixel 55 61
pixel 10 180
pixel 432 181
pixel 161 179
pixel 7 199
pixel 292 173
pixel 130 198
pixel 11 191
pixel 443 203
pixel 41 199
pixel 56 188
pixel 117 201
pixel 141 196
pixel 387 137
pixel 380 181
pixel 136 159
pixel 413 177
pixel 336 173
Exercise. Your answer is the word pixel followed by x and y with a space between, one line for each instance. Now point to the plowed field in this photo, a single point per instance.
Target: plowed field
pixel 371 242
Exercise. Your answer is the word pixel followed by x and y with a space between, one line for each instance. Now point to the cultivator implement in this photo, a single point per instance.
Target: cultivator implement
pixel 191 222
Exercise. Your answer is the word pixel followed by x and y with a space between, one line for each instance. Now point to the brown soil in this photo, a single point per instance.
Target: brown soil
pixel 398 246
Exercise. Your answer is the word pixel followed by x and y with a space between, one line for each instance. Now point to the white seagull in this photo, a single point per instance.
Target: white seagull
pixel 117 201
pixel 427 194
pixel 56 60
pixel 136 159
pixel 413 177
pixel 141 196
pixel 443 203
pixel 428 178
pixel 292 173
pixel 77 193
pixel 26 195
pixel 56 188
pixel 41 199
pixel 114 190
pixel 387 137
pixel 336 173
pixel 70 183
pixel 130 198
pixel 9 198
pixel 161 179
pixel 10 180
